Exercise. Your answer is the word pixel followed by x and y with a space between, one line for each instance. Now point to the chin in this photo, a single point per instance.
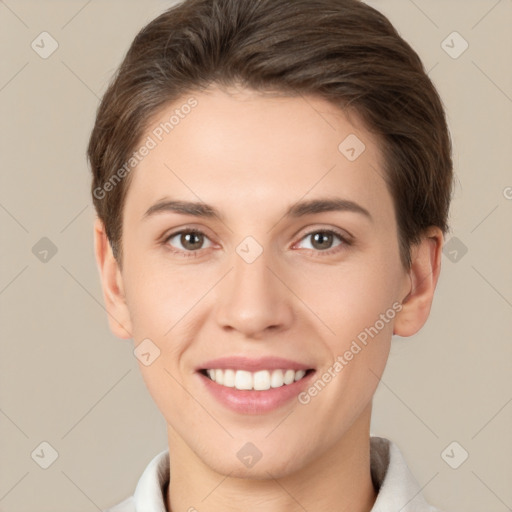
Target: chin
pixel 262 466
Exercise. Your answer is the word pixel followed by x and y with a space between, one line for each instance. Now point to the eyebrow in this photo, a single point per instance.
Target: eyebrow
pixel 296 210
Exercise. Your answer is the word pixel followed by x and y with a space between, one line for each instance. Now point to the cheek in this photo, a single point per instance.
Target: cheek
pixel 350 297
pixel 359 306
pixel 160 297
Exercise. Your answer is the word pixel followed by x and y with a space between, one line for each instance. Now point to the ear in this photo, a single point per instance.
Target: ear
pixel 112 284
pixel 424 273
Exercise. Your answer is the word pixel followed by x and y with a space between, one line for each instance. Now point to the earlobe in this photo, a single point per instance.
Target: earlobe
pixel 424 274
pixel 112 284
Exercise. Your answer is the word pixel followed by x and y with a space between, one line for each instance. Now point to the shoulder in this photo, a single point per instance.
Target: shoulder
pixel 396 486
pixel 149 492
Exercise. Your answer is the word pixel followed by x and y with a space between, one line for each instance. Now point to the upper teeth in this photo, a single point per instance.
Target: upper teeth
pixel 261 380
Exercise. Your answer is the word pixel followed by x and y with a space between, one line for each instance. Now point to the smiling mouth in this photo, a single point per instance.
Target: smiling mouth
pixel 257 381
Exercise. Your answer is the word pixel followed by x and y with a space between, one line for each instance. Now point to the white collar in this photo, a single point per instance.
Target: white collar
pixel 398 489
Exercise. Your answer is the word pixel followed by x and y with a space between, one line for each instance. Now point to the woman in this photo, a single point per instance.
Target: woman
pixel 272 182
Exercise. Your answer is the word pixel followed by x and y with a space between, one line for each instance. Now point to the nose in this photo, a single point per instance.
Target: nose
pixel 253 299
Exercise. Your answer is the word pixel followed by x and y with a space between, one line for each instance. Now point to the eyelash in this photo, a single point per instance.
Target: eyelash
pixel 193 254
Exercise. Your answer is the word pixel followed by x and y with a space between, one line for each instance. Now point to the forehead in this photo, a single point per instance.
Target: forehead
pixel 260 149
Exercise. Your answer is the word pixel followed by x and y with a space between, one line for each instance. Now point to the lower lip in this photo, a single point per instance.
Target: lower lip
pixel 252 401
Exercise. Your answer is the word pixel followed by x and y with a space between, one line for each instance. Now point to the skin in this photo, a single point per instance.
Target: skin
pixel 251 156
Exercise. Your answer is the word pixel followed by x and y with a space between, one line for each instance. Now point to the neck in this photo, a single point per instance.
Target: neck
pixel 339 479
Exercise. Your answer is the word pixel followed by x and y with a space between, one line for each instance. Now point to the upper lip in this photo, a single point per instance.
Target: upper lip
pixel 253 364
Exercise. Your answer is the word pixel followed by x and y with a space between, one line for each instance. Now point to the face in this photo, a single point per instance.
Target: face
pixel 260 252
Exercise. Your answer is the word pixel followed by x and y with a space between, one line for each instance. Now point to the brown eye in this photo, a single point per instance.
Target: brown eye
pixel 191 241
pixel 324 240
pixel 187 240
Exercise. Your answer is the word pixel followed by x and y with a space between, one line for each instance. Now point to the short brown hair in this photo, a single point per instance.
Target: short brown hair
pixel 341 50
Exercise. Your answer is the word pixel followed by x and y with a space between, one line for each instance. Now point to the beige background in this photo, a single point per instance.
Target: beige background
pixel 65 379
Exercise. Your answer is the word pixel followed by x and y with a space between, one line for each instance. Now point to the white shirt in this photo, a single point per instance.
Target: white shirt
pixel 398 491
